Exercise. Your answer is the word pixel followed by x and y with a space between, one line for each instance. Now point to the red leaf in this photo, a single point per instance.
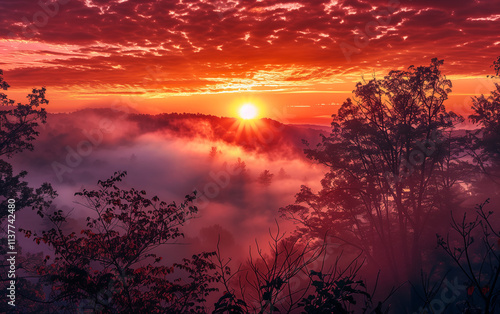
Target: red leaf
pixel 485 290
pixel 470 290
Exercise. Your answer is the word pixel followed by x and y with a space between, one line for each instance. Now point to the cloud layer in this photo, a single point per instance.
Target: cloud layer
pixel 165 47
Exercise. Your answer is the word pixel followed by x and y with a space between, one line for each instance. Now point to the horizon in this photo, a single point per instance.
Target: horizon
pixel 204 63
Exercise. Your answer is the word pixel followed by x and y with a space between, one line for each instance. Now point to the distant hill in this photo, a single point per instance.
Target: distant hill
pixel 262 136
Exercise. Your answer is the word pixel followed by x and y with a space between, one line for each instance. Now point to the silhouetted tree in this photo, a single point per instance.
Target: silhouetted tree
pixel 240 165
pixel 229 301
pixel 264 283
pixel 332 294
pixel 213 152
pixel 282 174
pixel 265 178
pixel 292 278
pixel 18 130
pixel 485 142
pixel 475 249
pixel 496 66
pixel 388 156
pixel 112 267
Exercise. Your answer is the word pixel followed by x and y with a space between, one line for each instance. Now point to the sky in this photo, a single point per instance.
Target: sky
pixel 296 61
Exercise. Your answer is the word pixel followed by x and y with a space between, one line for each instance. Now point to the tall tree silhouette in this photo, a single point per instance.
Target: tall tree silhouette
pixel 486 140
pixel 388 154
pixel 18 130
pixel 265 178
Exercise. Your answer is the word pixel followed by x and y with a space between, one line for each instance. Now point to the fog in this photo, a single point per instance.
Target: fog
pixel 76 150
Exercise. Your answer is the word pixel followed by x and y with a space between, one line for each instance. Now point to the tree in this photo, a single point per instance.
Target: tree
pixel 388 156
pixel 478 260
pixel 113 265
pixel 18 124
pixel 265 282
pixel 292 278
pixel 18 130
pixel 336 293
pixel 265 178
pixel 282 174
pixel 496 66
pixel 214 152
pixel 269 275
pixel 485 142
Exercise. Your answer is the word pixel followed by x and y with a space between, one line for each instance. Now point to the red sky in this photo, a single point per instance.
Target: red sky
pixel 213 56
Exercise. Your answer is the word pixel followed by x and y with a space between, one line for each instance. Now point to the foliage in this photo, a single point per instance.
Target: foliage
pixel 13 186
pixel 388 157
pixel 485 142
pixel 339 290
pixel 18 124
pixel 478 260
pixel 285 281
pixel 265 178
pixel 264 284
pixel 496 66
pixel 112 266
pixel 18 130
pixel 332 296
pixel 228 302
pixel 268 276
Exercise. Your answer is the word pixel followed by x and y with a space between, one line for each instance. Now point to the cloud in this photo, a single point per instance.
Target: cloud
pixel 197 45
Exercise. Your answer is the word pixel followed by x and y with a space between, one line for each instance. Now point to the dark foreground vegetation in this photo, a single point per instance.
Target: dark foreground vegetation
pixel 404 221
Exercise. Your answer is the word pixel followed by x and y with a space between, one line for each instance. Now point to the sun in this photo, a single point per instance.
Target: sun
pixel 248 111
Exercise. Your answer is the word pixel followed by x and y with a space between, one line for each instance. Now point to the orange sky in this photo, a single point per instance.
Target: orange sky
pixel 298 61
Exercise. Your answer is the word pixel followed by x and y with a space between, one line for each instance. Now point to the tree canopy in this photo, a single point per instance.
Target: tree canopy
pixel 18 130
pixel 388 156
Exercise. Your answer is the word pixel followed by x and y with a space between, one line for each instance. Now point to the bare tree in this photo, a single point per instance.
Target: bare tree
pixel 478 260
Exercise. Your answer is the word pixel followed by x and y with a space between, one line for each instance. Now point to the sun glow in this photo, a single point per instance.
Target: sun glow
pixel 248 111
